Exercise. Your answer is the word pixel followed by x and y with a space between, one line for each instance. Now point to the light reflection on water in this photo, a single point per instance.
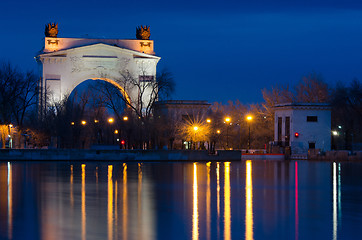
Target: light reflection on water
pixel 296 201
pixel 195 211
pixel 227 212
pixel 10 202
pixel 224 200
pixel 249 221
pixel 83 204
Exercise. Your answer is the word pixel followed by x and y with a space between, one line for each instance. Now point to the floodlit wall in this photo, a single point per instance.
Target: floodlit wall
pixel 310 126
pixel 68 62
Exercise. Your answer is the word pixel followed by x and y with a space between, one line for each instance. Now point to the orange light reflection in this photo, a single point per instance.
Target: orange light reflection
pixel 249 221
pixel 125 202
pixel 139 196
pixel 110 203
pixel 195 214
pixel 208 203
pixel 227 212
pixel 218 198
pixel 83 204
pixel 71 187
pixel 10 202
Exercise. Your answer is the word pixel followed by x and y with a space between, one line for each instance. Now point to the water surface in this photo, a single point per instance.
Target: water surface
pixel 173 200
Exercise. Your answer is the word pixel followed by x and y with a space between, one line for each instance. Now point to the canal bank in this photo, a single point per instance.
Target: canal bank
pixel 116 155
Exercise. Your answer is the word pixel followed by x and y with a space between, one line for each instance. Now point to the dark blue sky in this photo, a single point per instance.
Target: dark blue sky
pixel 217 50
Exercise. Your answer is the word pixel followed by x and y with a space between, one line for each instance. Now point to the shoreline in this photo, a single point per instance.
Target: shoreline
pixel 116 155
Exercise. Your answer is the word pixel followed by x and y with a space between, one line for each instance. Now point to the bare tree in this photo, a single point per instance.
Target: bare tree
pixel 347 114
pixel 9 91
pixel 136 96
pixel 312 88
pixel 18 97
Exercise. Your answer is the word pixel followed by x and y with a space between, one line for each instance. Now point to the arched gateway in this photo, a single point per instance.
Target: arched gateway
pixel 67 62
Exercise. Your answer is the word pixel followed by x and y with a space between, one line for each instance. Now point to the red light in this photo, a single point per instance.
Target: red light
pixel 123 142
pixel 296 134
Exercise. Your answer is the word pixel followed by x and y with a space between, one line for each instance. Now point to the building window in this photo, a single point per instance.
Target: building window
pixel 287 131
pixel 187 118
pixel 279 129
pixel 312 119
pixel 146 78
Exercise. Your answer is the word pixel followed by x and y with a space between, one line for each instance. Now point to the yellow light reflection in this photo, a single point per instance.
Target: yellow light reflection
pixel 335 223
pixel 83 204
pixel 218 197
pixel 10 202
pixel 195 214
pixel 227 212
pixel 249 221
pixel 71 187
pixel 208 203
pixel 97 176
pixel 110 203
pixel 116 209
pixel 139 196
pixel 125 202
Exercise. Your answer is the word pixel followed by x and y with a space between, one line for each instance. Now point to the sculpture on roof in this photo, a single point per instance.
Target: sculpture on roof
pixel 51 30
pixel 143 33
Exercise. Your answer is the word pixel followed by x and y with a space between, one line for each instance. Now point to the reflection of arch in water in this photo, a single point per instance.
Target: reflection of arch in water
pixel 114 83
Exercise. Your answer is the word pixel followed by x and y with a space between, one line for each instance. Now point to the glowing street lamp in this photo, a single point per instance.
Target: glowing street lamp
pixel 83 122
pixel 208 120
pixel 125 118
pixel 110 120
pixel 249 118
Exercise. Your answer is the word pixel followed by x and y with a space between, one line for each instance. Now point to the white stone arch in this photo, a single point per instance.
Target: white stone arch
pixel 68 62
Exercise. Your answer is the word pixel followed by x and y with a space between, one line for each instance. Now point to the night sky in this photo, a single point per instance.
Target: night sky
pixel 216 50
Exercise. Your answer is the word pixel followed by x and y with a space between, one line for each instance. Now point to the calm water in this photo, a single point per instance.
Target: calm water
pixel 232 200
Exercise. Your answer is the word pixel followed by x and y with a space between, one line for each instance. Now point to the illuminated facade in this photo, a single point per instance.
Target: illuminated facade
pixel 303 126
pixel 67 62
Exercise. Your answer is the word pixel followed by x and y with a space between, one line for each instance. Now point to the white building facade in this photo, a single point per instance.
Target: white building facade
pixel 303 126
pixel 67 62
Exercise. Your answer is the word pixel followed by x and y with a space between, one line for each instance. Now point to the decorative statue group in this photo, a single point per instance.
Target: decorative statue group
pixel 51 30
pixel 142 32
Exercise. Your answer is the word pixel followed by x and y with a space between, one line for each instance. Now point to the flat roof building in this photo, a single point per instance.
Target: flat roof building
pixel 303 126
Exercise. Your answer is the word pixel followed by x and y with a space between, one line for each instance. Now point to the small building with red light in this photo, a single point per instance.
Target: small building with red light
pixel 303 126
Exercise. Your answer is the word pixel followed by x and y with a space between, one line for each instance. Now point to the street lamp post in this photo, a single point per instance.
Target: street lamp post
pixel 195 129
pixel 109 130
pixel 334 134
pixel 227 120
pixel 249 118
pixel 209 144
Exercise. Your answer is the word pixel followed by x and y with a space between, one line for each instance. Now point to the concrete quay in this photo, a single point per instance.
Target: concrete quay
pixel 115 155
